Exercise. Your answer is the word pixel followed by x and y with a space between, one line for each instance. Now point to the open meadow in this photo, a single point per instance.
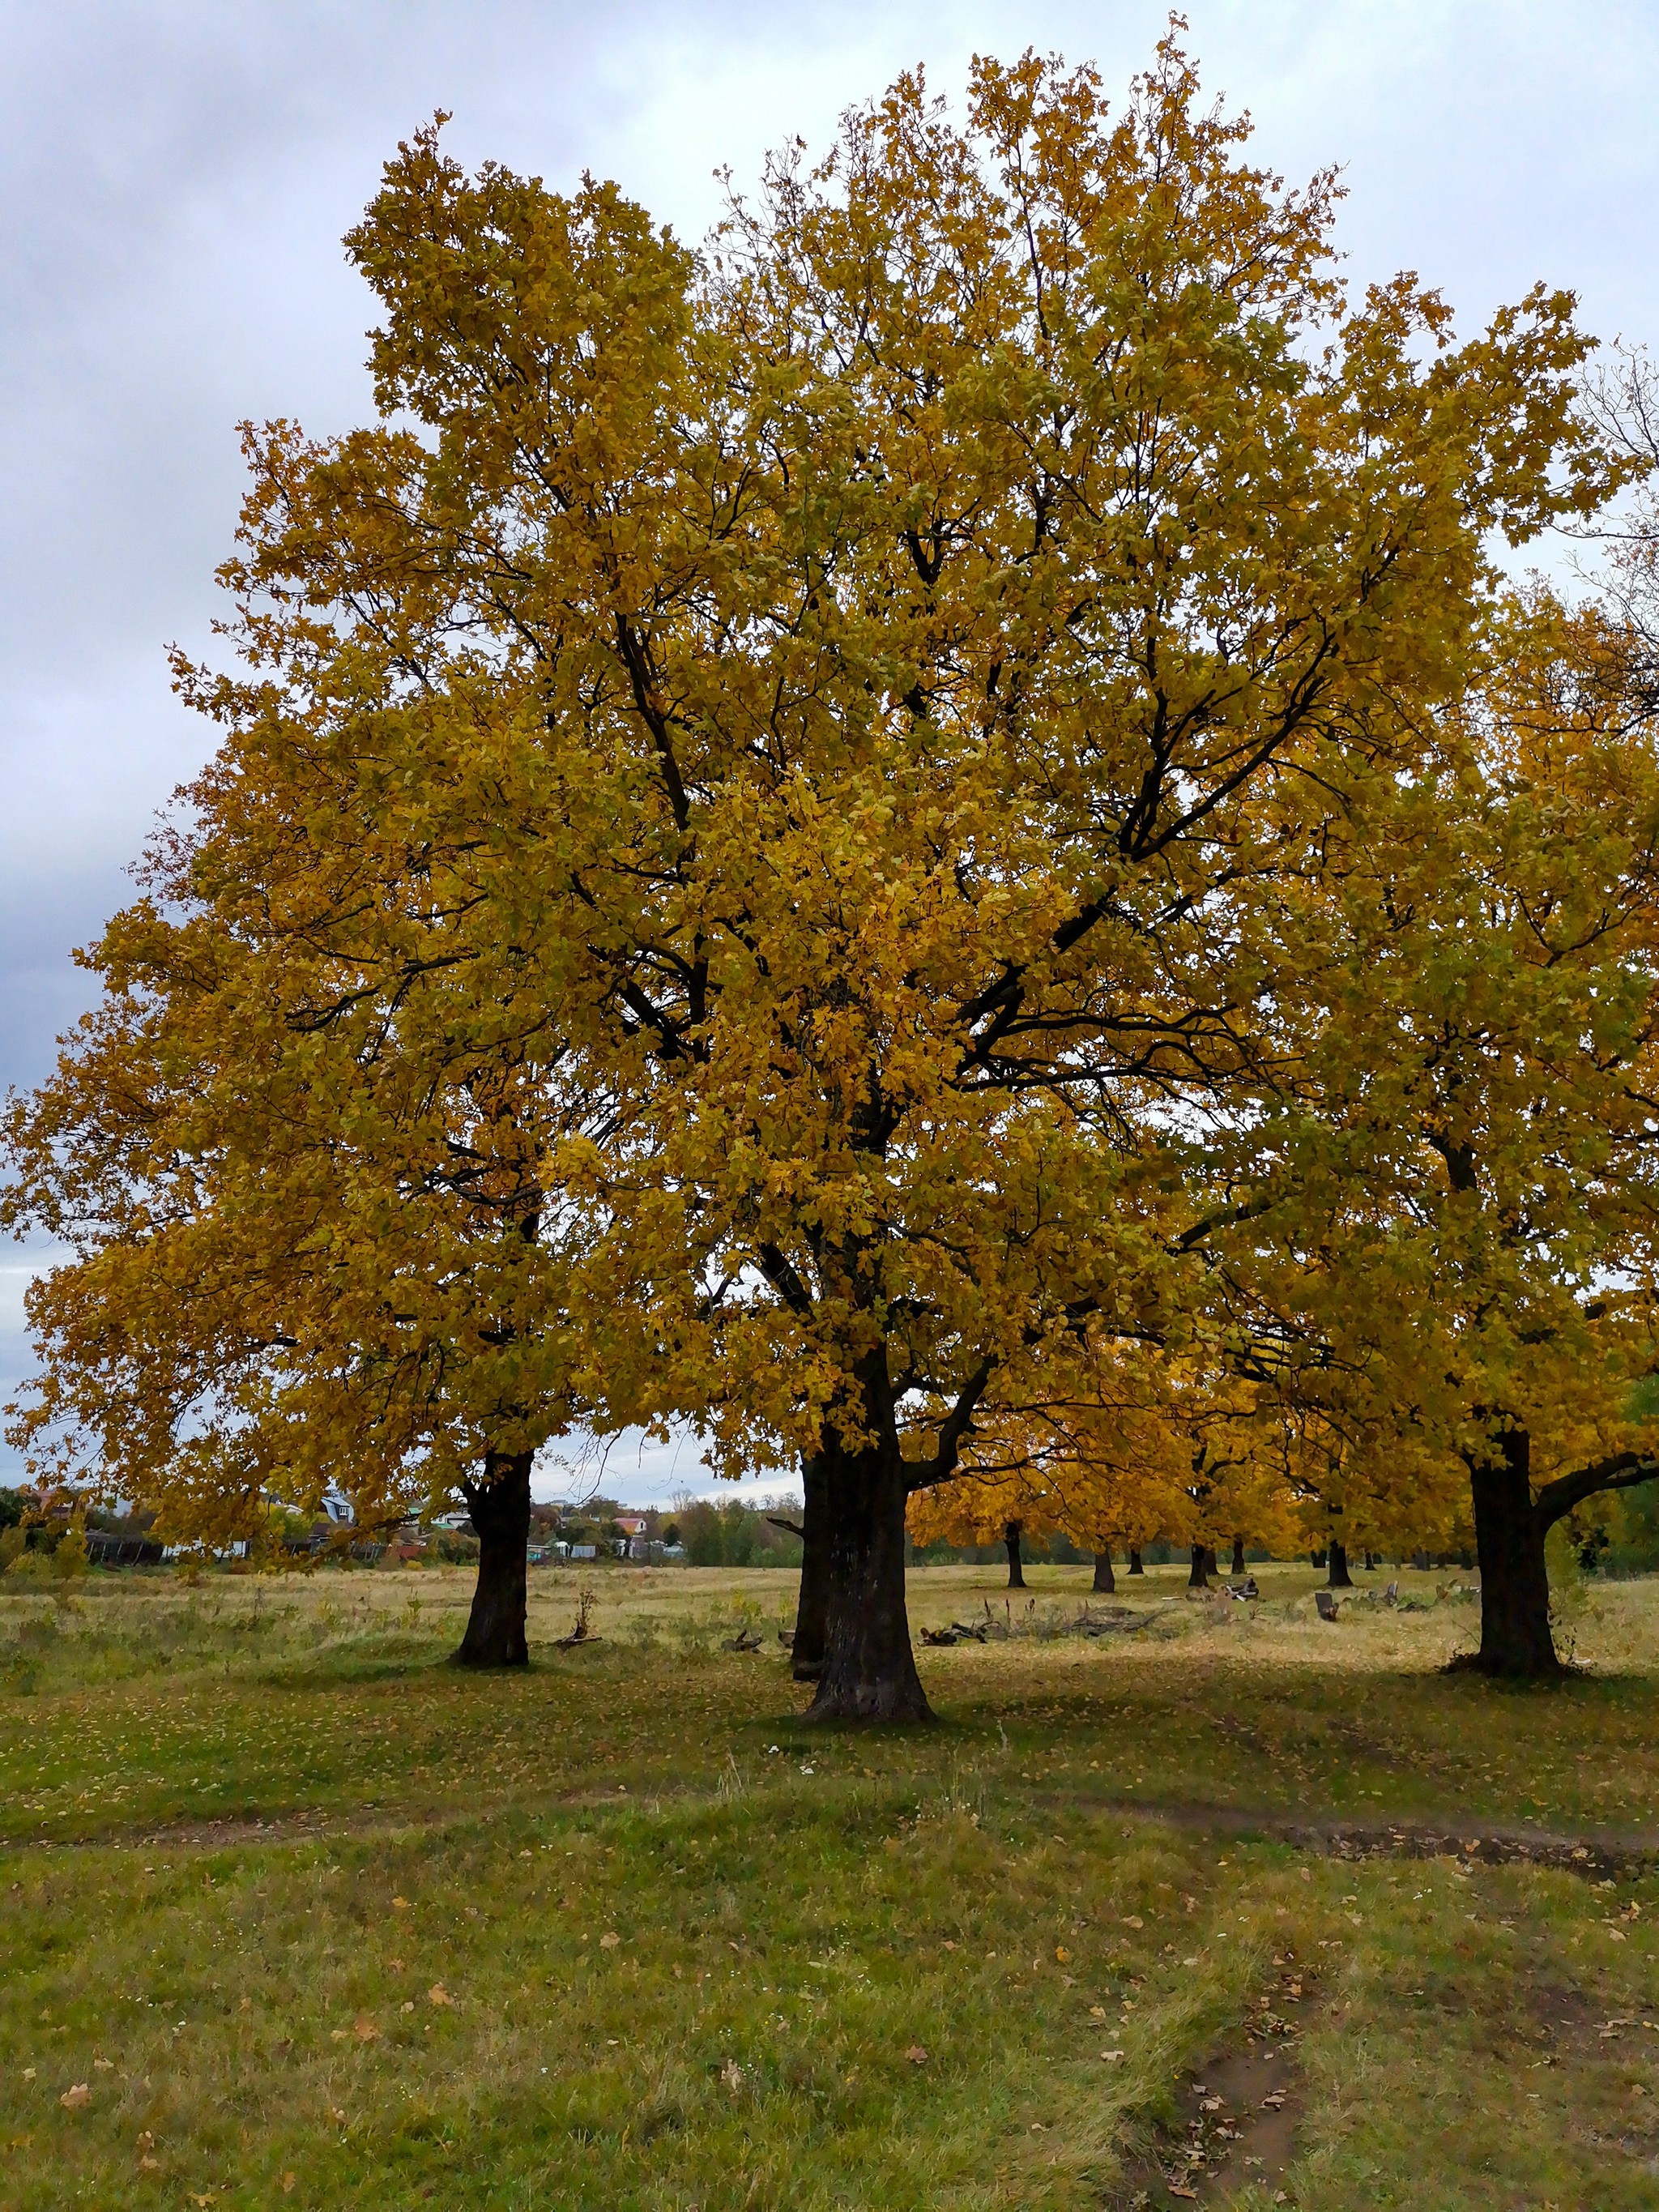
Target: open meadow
pixel 1222 1904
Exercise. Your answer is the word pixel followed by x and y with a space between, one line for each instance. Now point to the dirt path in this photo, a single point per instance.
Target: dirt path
pixel 1475 1840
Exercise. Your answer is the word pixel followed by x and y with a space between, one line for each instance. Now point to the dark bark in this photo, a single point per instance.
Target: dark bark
pixel 812 1606
pixel 499 1506
pixel 1514 1592
pixel 1238 1555
pixel 869 1669
pixel 1339 1578
pixel 1200 1576
pixel 1370 1563
pixel 1317 1557
pixel 1511 1526
pixel 1015 1569
pixel 1135 1567
pixel 1105 1580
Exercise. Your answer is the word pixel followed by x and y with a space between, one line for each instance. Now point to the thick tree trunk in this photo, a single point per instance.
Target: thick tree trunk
pixel 1238 1555
pixel 1016 1571
pixel 869 1669
pixel 499 1506
pixel 812 1606
pixel 1339 1578
pixel 1105 1580
pixel 1135 1567
pixel 1200 1576
pixel 1515 1590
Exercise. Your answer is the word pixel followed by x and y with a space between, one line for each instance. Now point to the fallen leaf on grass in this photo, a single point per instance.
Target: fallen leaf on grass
pixel 148 2165
pixel 438 1994
pixel 1111 2057
pixel 364 2029
pixel 1133 1920
pixel 917 2055
pixel 289 2180
pixel 610 1940
pixel 1062 1955
pixel 732 2074
pixel 104 2065
pixel 400 1904
pixel 28 2073
pixel 74 2098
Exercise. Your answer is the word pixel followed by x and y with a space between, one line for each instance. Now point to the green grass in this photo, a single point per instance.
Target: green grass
pixel 250 1827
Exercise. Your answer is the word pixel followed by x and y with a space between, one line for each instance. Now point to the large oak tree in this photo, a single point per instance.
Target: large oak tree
pixel 855 698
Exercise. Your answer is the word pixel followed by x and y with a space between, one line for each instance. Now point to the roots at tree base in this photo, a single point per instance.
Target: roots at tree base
pixel 499 1506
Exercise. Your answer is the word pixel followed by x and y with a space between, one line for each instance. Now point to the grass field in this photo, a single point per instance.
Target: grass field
pixel 296 1915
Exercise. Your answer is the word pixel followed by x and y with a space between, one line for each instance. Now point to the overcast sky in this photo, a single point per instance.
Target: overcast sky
pixel 176 175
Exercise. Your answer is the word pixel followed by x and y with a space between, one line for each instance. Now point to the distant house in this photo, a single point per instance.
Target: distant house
pixel 634 1540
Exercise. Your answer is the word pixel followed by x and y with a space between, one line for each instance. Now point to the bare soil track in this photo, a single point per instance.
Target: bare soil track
pixel 1595 1851
pixel 1238 2114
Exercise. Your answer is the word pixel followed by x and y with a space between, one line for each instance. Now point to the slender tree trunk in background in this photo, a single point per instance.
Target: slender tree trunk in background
pixel 1016 1571
pixel 499 1506
pixel 1339 1577
pixel 812 1606
pixel 1318 1559
pixel 1105 1580
pixel 1199 1578
pixel 1135 1567
pixel 869 1669
pixel 1238 1555
pixel 1371 1562
pixel 1515 1588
